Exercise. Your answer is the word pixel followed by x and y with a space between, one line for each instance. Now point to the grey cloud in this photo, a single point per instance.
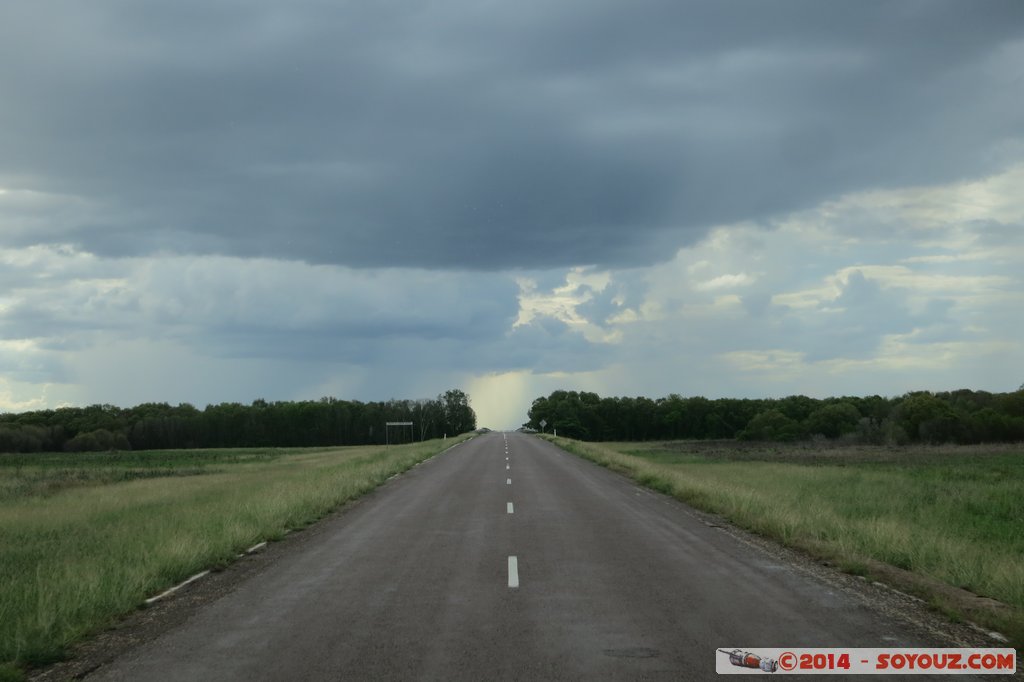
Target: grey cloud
pixel 36 364
pixel 999 235
pixel 600 307
pixel 515 135
pixel 231 308
pixel 549 345
pixel 757 304
pixel 864 314
pixel 854 325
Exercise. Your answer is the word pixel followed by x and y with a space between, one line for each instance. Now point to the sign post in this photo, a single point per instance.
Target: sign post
pixel 387 430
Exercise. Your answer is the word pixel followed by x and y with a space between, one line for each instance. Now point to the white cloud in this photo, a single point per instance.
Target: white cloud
pixel 18 396
pixel 741 279
pixel 996 198
pixel 925 284
pixel 563 303
pixel 900 314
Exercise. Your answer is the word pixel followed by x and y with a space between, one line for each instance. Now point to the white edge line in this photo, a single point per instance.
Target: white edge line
pixel 513 572
pixel 177 587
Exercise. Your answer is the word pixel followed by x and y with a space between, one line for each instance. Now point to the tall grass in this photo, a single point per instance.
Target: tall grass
pixel 80 545
pixel 952 516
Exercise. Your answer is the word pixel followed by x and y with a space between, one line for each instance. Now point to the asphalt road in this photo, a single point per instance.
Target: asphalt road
pixel 608 581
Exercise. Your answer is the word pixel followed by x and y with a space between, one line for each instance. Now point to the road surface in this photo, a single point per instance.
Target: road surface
pixel 506 558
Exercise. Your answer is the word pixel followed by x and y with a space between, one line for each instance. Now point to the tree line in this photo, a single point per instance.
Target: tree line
pixel 324 422
pixel 962 416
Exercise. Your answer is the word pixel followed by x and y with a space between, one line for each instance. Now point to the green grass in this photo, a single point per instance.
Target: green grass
pixel 954 516
pixel 85 538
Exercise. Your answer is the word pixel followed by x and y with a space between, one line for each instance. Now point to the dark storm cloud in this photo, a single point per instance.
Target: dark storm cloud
pixel 483 135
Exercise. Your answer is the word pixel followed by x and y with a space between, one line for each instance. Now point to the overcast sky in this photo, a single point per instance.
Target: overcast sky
pixel 206 201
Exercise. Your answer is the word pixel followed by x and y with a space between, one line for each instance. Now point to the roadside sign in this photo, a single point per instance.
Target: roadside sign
pixel 387 428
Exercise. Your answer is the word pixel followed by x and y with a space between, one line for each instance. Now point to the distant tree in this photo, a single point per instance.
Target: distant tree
pixel 797 407
pixel 771 425
pixel 458 415
pixel 428 417
pixel 539 412
pixel 97 441
pixel 1011 404
pixel 926 417
pixel 566 420
pixel 833 420
pixel 28 438
pixel 989 426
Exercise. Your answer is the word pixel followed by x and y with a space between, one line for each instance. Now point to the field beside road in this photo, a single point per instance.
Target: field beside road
pixel 944 523
pixel 86 537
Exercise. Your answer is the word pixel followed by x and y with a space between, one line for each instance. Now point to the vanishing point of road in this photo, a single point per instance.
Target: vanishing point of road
pixel 507 558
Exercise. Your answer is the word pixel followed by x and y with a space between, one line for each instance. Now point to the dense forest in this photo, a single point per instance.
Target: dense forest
pixel 324 422
pixel 962 416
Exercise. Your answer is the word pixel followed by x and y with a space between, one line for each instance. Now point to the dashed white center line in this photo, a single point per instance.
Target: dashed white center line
pixel 513 562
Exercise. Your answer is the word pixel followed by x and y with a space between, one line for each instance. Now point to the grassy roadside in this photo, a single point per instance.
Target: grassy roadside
pixel 944 523
pixel 84 539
